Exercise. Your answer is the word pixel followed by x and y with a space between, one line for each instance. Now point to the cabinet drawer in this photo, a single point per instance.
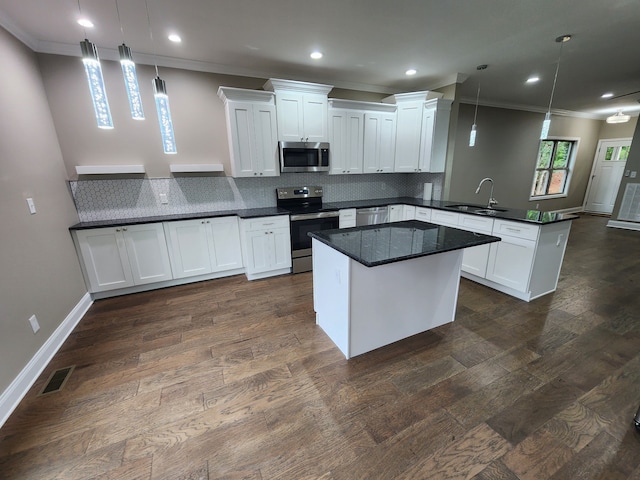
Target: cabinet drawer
pixel 442 217
pixel 423 214
pixel 475 223
pixel 261 223
pixel 515 229
pixel 348 214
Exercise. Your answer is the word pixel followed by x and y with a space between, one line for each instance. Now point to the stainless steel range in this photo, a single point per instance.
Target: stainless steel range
pixel 306 215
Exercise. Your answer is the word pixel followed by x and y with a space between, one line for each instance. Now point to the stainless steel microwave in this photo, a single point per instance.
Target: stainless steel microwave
pixel 304 157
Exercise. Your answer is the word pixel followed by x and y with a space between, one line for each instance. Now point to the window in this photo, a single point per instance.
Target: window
pixel 552 175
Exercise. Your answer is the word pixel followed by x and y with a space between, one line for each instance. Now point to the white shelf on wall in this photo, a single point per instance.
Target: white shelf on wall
pixel 194 168
pixel 108 169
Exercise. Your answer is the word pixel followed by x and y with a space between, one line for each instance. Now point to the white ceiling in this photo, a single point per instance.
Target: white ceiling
pixel 369 44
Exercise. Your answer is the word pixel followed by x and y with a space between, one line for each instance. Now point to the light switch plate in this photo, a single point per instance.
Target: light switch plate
pixel 32 206
pixel 35 326
pixel 163 198
pixel 633 174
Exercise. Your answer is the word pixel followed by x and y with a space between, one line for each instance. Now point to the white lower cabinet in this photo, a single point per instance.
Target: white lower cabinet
pixel 474 259
pixel 266 246
pixel 423 214
pixel 347 218
pixel 204 246
pixel 120 257
pixel 395 213
pixel 510 262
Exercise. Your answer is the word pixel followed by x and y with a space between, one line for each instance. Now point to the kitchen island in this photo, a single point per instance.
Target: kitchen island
pixel 378 284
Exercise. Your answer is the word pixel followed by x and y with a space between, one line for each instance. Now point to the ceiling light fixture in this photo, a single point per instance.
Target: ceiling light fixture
pixel 562 39
pixel 130 76
pixel 93 70
pixel 162 101
pixel 619 117
pixel 606 95
pixel 533 79
pixel 175 38
pixel 85 22
pixel 472 135
pixel 411 71
pixel 316 55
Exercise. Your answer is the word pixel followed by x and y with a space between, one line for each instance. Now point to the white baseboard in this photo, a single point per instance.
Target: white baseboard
pixel 624 225
pixel 16 391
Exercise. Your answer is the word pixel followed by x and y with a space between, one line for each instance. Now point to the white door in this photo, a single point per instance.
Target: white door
pixel 606 174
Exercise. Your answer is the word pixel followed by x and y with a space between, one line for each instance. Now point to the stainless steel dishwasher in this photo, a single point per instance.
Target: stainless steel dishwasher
pixel 372 216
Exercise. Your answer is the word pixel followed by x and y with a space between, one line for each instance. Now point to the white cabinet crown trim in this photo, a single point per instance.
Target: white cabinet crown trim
pixel 245 95
pixel 422 96
pixel 364 106
pixel 276 84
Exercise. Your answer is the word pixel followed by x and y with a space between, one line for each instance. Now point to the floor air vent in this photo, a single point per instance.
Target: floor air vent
pixel 57 380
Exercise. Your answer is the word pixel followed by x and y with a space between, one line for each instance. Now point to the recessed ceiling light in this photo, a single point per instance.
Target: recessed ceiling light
pixel 533 79
pixel 411 71
pixel 85 22
pixel 607 95
pixel 175 38
pixel 316 55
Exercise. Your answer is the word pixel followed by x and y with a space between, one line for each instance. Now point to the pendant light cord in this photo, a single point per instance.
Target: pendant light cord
pixel 555 78
pixel 83 28
pixel 475 115
pixel 153 45
pixel 119 22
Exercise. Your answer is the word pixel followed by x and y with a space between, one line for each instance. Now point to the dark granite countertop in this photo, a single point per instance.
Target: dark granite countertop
pixel 517 215
pixel 375 245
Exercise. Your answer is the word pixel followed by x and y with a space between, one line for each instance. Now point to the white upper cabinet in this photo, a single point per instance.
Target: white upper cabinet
pixel 379 141
pixel 346 140
pixel 252 131
pixel 301 110
pixel 422 132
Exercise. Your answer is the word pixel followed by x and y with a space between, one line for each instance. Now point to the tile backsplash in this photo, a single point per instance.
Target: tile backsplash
pixel 112 199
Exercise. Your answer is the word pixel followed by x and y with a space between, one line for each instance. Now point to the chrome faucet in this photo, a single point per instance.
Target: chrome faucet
pixel 492 201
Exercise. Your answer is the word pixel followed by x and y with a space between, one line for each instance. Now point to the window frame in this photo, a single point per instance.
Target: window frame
pixel 569 168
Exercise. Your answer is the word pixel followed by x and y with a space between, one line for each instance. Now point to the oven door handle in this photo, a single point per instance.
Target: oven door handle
pixel 311 216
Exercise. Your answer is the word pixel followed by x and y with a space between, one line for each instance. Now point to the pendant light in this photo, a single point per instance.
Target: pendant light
pixel 618 118
pixel 162 102
pixel 93 70
pixel 544 133
pixel 130 76
pixel 472 135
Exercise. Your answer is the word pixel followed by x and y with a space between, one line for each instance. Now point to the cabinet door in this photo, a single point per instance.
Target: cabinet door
pixel 474 260
pixel 379 142
pixel 408 212
pixel 148 255
pixel 290 117
pixel 265 151
pixel 387 150
pixel 347 218
pixel 105 259
pixel 280 239
pixel 409 128
pixel 338 141
pixel 241 138
pixel 314 112
pixel 354 141
pixel 189 248
pixel 395 213
pixel 426 139
pixel 258 257
pixel 510 262
pixel 225 250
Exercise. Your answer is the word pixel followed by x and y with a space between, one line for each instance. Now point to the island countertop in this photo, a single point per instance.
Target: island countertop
pixel 374 245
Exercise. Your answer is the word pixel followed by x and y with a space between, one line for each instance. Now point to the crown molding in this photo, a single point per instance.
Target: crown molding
pixel 11 27
pixel 533 108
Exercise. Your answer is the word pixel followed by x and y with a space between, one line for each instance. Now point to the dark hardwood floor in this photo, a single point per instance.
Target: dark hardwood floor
pixel 230 379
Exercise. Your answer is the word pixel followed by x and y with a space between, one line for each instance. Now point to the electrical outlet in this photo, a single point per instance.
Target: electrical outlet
pixel 35 326
pixel 163 199
pixel 627 172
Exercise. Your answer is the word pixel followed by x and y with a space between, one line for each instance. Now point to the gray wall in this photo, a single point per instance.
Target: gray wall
pixel 40 271
pixel 506 150
pixel 633 163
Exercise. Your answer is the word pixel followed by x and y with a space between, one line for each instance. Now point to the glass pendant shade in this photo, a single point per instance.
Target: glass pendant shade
pixel 96 84
pixel 472 136
pixel 164 116
pixel 544 133
pixel 131 82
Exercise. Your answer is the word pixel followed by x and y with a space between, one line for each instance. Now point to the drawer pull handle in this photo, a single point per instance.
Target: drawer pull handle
pixel 267 223
pixel 517 230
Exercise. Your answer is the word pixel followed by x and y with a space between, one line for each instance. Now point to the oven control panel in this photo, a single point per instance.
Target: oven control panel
pixel 299 192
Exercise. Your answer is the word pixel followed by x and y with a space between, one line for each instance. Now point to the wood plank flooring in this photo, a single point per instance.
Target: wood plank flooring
pixel 230 379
